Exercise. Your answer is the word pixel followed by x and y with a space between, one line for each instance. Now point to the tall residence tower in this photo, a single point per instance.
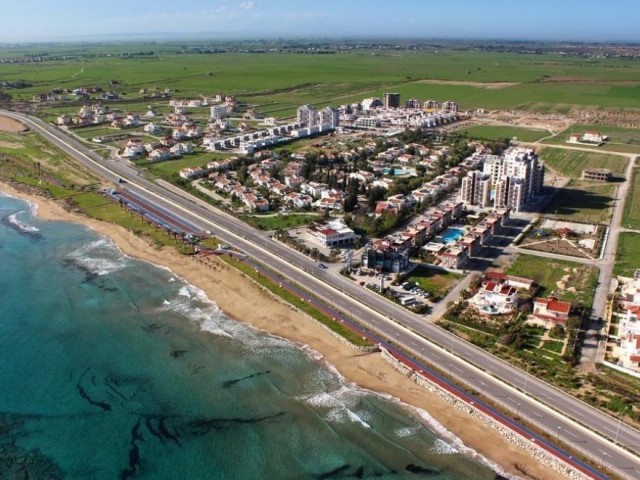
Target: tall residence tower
pixel 391 100
pixel 306 115
pixel 517 178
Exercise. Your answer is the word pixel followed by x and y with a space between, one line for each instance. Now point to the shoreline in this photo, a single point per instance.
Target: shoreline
pixel 242 300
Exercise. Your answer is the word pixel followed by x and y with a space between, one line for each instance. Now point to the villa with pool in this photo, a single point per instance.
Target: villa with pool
pixel 495 298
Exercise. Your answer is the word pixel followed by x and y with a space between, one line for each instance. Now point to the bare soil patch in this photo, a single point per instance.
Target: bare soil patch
pixel 11 125
pixel 487 85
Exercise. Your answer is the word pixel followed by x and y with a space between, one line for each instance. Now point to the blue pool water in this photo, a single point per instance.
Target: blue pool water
pixel 452 234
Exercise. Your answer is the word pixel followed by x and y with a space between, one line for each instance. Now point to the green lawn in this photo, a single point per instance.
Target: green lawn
pixel 547 273
pixel 553 346
pixel 285 221
pixel 166 169
pixel 625 140
pixel 631 215
pixel 571 162
pixel 433 280
pixel 583 201
pixel 492 132
pixel 628 254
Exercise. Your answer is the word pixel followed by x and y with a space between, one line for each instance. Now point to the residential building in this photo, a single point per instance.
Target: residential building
pixel 330 117
pixel 384 256
pixel 306 115
pixel 218 112
pixel 414 103
pixel 450 106
pixel 597 174
pixel 551 309
pixel 517 178
pixel 495 298
pixel 454 257
pixel 331 234
pixel 391 100
pixel 476 189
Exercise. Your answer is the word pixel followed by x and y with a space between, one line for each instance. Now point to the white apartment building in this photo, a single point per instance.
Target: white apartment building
pixel 517 177
pixel 476 189
pixel 218 112
pixel 306 115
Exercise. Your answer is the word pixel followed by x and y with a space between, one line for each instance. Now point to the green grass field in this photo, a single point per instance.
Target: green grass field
pixel 583 201
pixel 491 132
pixel 553 346
pixel 628 254
pixel 276 83
pixel 274 222
pixel 549 272
pixel 432 280
pixel 624 140
pixel 166 169
pixel 631 215
pixel 571 162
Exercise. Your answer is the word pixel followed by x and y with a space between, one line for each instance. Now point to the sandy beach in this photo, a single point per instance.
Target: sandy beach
pixel 240 299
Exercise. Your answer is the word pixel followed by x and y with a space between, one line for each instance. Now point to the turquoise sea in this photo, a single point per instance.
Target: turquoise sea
pixel 112 368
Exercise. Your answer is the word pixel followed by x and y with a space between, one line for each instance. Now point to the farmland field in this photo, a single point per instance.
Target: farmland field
pixel 491 132
pixel 631 215
pixel 627 255
pixel 625 140
pixel 571 162
pixel 276 83
pixel 583 201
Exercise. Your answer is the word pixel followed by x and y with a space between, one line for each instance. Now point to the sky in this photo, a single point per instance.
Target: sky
pixel 557 20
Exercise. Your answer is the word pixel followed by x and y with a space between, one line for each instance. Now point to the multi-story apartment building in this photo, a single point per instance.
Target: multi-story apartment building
pixel 306 115
pixel 391 100
pixel 517 178
pixel 329 116
pixel 476 189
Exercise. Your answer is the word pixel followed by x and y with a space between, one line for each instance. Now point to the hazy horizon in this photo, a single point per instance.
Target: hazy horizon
pixel 491 20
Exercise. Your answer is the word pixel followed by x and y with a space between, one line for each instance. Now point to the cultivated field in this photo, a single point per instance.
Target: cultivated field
pixel 494 132
pixel 275 83
pixel 570 163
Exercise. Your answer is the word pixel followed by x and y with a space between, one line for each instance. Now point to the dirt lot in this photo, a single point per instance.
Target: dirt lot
pixel 10 125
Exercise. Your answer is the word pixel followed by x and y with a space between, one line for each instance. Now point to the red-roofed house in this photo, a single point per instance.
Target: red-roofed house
pixel 551 309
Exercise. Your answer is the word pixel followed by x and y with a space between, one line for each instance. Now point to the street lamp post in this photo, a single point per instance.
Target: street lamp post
pixel 518 411
pixel 558 434
pixel 615 440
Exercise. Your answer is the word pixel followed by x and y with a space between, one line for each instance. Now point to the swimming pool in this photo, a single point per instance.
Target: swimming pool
pixel 452 234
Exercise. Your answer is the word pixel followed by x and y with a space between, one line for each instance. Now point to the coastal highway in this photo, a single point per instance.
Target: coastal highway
pixel 565 418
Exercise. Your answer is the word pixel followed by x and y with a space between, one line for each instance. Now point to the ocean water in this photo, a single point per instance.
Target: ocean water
pixel 111 368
